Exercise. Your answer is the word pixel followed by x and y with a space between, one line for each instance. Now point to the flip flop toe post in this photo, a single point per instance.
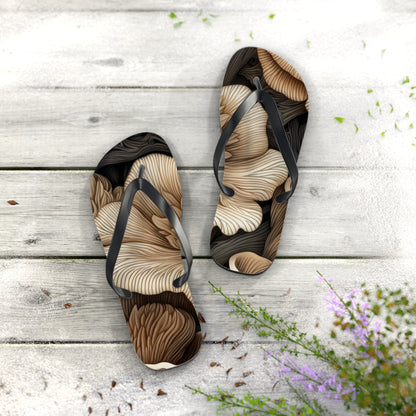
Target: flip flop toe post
pixel 137 207
pixel 263 113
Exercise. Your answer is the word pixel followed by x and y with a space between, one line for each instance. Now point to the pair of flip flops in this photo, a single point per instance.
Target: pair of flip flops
pixel 136 201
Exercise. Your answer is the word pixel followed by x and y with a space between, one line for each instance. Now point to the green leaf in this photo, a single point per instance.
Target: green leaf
pixel 206 20
pixel 407 115
pixel 406 80
pixel 411 95
pixel 396 126
pixel 382 52
pixel 411 126
pixel 213 15
pixel 251 35
pixel 356 128
pixel 237 40
pixel 378 103
pixel 339 119
pixel 369 91
pixel 369 113
pixel 172 15
pixel 383 133
pixel 308 43
pixel 178 24
pixel 271 15
pixel 391 108
pixel 364 44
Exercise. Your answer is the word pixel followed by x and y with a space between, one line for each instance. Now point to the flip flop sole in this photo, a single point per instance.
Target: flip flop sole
pixel 161 318
pixel 247 226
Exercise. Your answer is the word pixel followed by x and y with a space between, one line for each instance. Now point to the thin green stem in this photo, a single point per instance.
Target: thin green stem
pixel 234 403
pixel 264 324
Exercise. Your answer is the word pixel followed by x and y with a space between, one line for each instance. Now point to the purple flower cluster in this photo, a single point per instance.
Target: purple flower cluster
pixel 316 380
pixel 360 311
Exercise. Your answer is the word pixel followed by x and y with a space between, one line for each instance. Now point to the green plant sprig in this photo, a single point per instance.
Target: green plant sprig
pixel 267 325
pixel 249 404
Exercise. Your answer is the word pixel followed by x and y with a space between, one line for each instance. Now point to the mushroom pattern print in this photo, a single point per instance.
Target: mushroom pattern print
pixel 161 318
pixel 247 226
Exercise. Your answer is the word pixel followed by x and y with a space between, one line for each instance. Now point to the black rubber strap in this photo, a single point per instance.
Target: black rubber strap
pixel 279 133
pixel 141 184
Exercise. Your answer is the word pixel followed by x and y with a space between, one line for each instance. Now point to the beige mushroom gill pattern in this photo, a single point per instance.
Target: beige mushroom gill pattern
pixel 161 319
pixel 254 167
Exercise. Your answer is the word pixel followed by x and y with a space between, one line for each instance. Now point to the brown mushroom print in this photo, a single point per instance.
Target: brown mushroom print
pixel 248 224
pixel 161 318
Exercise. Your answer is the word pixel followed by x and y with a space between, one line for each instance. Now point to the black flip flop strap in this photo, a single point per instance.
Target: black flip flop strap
pixel 279 133
pixel 141 184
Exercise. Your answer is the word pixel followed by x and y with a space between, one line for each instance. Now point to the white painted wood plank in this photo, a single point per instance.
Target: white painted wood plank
pixel 34 293
pixel 168 5
pixel 67 379
pixel 143 49
pixel 74 128
pixel 333 213
pixel 142 5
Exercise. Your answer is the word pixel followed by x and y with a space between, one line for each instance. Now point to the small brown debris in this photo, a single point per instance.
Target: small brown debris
pixel 79 384
pixel 12 202
pixel 225 396
pixel 242 356
pixel 113 384
pixel 84 397
pixel 89 410
pixel 287 293
pixel 25 287
pixel 101 395
pixel 316 325
pixel 106 412
pixel 236 344
pixel 228 371
pixel 204 336
pixel 68 305
pixel 225 339
pixel 239 383
pixel 214 364
pixel 160 392
pixel 45 292
pixel 119 409
pixel 247 373
pixel 141 386
pixel 130 405
pixel 201 318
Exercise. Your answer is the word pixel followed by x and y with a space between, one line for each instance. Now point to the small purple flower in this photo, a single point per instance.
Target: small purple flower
pixel 315 380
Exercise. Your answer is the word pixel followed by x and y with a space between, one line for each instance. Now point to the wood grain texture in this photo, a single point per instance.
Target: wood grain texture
pixel 333 213
pixel 143 49
pixel 79 76
pixel 69 379
pixel 167 5
pixel 74 128
pixel 34 292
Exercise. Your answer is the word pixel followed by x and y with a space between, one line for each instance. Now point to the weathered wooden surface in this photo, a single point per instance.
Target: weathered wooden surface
pixel 296 6
pixel 333 213
pixel 76 127
pixel 79 76
pixel 144 50
pixel 68 379
pixel 35 291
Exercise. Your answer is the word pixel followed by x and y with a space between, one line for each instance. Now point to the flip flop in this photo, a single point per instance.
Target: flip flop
pixel 136 201
pixel 263 112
